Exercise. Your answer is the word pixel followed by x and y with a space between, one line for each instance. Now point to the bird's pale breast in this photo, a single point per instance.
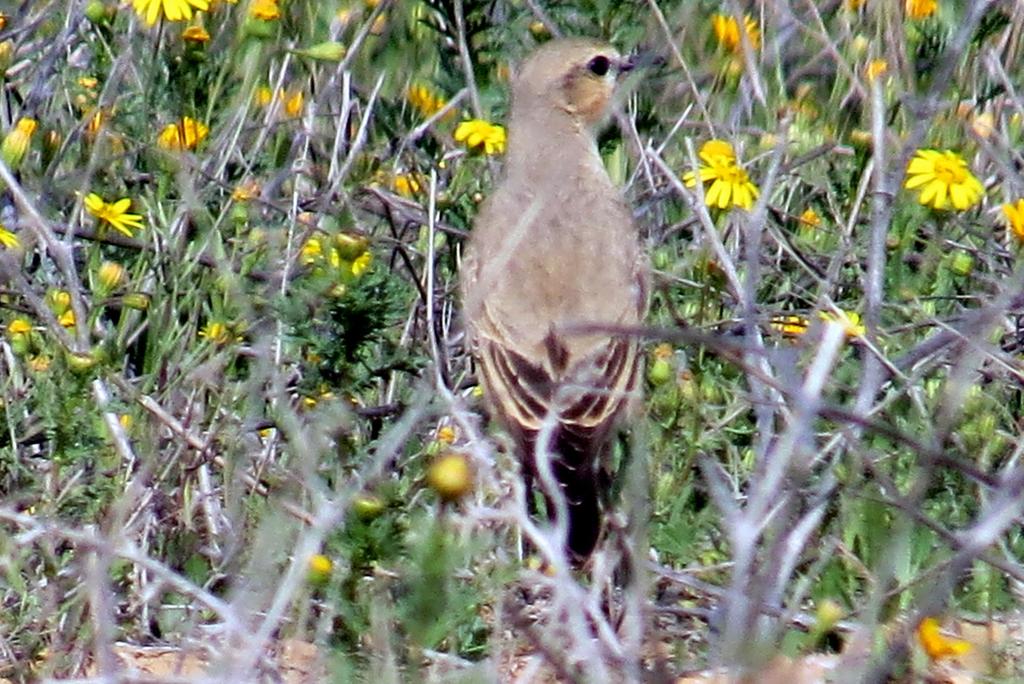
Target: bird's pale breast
pixel 560 253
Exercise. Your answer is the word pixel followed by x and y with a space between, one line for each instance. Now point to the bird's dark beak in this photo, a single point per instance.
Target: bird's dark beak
pixel 642 59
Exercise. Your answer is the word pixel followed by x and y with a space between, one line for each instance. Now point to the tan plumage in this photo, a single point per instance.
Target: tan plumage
pixel 554 246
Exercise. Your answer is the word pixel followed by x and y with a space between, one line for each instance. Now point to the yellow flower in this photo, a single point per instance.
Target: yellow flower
pixel 267 10
pixel 246 191
pixel 67 319
pixel 790 325
pixel 196 34
pixel 405 184
pixel 172 10
pixel 936 644
pixel 730 184
pixel 184 135
pixel 717 153
pixel 312 251
pixel 477 134
pixel 114 213
pixel 16 142
pixel 423 100
pixel 850 320
pixel 293 103
pixel 96 118
pixel 810 218
pixel 1015 218
pixel 876 68
pixel 39 363
pixel 921 9
pixel 8 239
pixel 362 264
pixel 446 434
pixel 217 332
pixel 727 32
pixel 942 178
pixel 379 24
pixel 264 96
pixel 19 326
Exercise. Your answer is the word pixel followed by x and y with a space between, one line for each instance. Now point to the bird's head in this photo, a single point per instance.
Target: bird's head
pixel 574 76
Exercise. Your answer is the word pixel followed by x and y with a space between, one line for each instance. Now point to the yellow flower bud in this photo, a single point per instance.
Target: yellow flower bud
pixel 659 372
pixel 451 476
pixel 95 11
pixel 59 301
pixel 367 506
pixel 82 362
pixel 350 247
pixel 17 141
pixel 320 567
pixel 6 55
pixel 136 300
pixel 111 275
pixel 828 614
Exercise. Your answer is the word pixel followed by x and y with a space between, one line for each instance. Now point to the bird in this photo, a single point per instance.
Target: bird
pixel 554 247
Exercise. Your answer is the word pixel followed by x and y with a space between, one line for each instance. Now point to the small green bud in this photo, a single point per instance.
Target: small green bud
pixel 95 11
pixel 328 51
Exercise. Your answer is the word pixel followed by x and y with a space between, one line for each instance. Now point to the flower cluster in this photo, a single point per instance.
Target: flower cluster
pixel 343 258
pixel 183 135
pixel 424 100
pixel 477 135
pixel 291 100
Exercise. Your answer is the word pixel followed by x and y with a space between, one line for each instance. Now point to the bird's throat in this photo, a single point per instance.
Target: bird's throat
pixel 550 146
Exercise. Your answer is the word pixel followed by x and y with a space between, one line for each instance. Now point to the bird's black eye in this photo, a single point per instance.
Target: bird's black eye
pixel 599 65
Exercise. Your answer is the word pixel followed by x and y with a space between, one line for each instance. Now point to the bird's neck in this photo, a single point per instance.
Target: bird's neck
pixel 549 143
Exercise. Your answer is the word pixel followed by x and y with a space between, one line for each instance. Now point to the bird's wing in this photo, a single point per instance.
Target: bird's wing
pixel 586 395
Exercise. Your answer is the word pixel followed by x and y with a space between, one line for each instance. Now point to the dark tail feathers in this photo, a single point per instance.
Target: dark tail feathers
pixel 582 495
